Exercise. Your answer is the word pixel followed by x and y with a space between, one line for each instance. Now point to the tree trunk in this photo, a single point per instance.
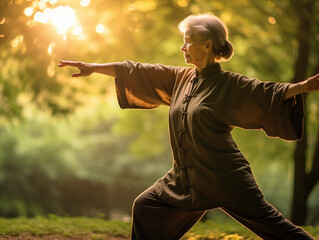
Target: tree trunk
pixel 301 188
pixel 300 196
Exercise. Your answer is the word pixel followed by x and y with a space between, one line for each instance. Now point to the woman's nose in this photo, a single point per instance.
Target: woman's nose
pixel 183 48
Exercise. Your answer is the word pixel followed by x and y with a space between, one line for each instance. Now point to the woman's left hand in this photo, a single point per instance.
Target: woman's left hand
pixel 312 83
pixel 309 85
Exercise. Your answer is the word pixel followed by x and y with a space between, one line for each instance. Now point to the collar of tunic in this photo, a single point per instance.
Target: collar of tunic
pixel 209 70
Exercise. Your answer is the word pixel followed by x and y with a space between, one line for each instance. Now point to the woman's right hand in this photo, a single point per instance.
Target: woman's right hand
pixel 86 69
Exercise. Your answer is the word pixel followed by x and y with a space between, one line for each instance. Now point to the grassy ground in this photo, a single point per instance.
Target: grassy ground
pixel 80 228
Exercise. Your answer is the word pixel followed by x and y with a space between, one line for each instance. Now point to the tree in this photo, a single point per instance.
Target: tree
pixel 304 181
pixel 300 34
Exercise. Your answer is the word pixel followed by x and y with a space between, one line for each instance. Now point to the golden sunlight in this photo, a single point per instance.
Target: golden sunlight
pixel 85 3
pixel 77 30
pixel 62 17
pixel 100 28
pixel 28 11
pixel 16 41
pixel 50 49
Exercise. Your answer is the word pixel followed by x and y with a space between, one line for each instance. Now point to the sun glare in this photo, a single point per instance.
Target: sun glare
pixel 62 17
pixel 85 3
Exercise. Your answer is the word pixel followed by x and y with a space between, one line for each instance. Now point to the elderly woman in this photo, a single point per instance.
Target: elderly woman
pixel 205 104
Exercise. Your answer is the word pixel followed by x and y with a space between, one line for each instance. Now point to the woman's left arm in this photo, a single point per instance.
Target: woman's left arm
pixel 309 85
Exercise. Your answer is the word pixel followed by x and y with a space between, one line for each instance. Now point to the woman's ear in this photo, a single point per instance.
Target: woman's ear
pixel 209 45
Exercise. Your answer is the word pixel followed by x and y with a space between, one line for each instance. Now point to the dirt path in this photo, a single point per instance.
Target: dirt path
pixel 57 237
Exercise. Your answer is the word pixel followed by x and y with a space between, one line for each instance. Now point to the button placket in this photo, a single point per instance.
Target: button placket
pixel 185 166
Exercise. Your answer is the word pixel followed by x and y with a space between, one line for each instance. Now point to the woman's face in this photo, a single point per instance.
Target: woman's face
pixel 194 50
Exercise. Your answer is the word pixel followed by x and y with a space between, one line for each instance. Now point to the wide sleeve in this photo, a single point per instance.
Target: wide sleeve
pixel 257 104
pixel 142 85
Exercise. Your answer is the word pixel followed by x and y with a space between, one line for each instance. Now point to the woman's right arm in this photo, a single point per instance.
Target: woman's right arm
pixel 87 69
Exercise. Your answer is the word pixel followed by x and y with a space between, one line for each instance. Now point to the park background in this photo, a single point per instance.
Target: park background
pixel 66 148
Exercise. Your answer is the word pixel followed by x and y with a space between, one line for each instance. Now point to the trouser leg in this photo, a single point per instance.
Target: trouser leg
pixel 265 221
pixel 154 219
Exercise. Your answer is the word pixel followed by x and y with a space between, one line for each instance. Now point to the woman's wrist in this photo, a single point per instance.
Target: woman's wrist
pixel 105 68
pixel 302 87
pixel 295 89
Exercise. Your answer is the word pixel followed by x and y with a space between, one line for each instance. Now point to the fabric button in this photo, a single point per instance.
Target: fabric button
pixel 194 80
pixel 184 113
pixel 186 167
pixel 188 97
pixel 182 150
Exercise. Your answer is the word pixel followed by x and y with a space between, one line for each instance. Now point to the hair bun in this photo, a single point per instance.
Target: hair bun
pixel 227 51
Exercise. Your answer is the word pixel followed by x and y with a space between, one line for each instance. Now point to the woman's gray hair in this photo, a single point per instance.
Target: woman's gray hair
pixel 208 26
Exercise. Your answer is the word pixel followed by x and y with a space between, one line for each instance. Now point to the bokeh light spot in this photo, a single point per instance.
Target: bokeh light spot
pixel 271 4
pixel 51 69
pixel 16 41
pixel 182 3
pixel 63 18
pixel 272 20
pixel 2 20
pixel 143 6
pixel 100 28
pixel 85 3
pixel 42 17
pixel 28 11
pixel 50 49
pixel 77 30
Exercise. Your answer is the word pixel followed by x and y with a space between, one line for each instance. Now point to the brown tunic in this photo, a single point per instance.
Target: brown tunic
pixel 208 170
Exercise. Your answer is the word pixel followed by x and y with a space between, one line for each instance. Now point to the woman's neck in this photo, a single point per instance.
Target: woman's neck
pixel 209 61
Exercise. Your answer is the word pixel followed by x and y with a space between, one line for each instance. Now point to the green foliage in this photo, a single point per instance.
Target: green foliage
pixel 80 165
pixel 30 50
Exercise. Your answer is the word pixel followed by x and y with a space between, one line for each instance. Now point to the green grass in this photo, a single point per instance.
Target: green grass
pixel 98 228
pixel 229 230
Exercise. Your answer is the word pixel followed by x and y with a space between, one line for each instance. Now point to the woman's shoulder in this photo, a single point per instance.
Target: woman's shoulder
pixel 239 78
pixel 232 75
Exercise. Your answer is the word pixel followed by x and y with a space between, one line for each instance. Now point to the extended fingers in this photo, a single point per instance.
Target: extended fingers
pixel 77 74
pixel 68 63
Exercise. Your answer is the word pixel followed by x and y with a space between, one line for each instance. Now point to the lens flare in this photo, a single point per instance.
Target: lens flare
pixel 63 18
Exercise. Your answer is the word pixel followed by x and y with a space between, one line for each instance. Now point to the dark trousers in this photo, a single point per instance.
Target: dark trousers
pixel 153 219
